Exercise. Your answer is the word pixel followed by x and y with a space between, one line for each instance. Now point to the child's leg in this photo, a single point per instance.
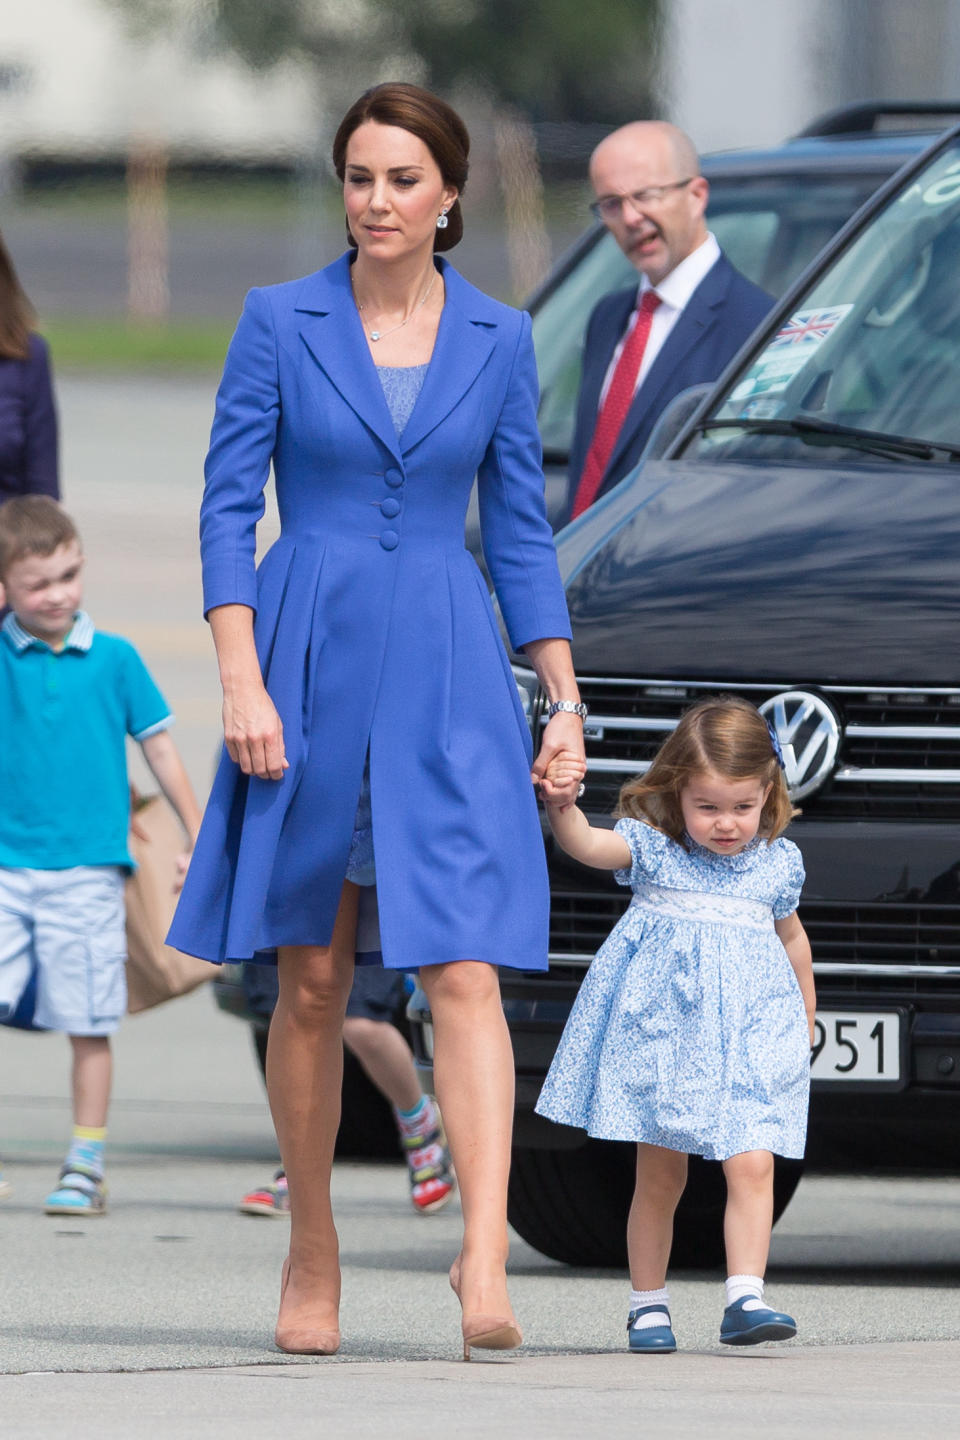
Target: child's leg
pixel 92 1077
pixel 370 1035
pixel 80 1189
pixel 748 1218
pixel 386 1057
pixel 747 1224
pixel 661 1177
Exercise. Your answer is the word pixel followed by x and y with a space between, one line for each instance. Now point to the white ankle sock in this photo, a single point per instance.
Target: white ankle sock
pixel 639 1298
pixel 751 1286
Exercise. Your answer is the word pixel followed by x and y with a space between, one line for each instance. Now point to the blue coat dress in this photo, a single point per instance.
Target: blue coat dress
pixel 375 630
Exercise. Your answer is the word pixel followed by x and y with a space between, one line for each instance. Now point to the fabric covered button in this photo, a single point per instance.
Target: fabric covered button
pixel 389 539
pixel 390 507
pixel 394 478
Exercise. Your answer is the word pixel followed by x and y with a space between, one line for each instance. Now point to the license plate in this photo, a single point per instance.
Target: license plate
pixel 856 1046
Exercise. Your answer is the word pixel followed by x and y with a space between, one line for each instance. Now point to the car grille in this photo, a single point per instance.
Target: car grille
pixel 904 947
pixel 899 756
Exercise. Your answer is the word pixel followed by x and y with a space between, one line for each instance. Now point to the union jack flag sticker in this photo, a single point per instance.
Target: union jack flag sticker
pixel 809 327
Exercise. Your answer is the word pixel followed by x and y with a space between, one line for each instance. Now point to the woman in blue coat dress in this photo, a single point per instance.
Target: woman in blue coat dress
pixel 369 708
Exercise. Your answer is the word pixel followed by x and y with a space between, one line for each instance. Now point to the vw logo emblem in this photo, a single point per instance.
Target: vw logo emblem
pixel 809 735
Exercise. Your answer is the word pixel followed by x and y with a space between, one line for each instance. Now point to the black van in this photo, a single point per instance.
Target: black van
pixel 798 544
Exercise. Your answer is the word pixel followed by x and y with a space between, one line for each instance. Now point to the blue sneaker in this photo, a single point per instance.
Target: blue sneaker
pixel 753 1327
pixel 655 1339
pixel 78 1192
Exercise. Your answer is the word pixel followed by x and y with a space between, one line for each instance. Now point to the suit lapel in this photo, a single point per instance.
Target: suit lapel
pixel 331 330
pixel 698 316
pixel 465 341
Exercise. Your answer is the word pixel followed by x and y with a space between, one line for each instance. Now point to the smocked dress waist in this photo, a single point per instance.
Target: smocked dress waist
pixel 704 908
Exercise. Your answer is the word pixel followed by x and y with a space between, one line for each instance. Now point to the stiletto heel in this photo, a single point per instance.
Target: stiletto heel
pixel 484 1332
pixel 302 1340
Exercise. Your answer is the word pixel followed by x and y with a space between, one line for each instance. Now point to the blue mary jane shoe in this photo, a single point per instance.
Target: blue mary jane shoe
pixel 753 1327
pixel 656 1339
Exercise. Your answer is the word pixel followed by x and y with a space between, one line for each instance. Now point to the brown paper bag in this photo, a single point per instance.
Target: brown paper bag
pixel 156 972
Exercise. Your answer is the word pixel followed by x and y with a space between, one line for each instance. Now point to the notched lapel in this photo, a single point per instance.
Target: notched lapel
pixel 331 330
pixel 462 348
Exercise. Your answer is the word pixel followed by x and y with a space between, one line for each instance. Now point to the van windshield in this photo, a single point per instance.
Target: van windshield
pixel 867 362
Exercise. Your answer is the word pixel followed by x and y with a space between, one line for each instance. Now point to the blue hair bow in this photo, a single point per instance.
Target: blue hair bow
pixel 775 744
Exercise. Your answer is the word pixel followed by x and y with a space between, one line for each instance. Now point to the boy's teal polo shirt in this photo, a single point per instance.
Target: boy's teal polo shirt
pixel 64 719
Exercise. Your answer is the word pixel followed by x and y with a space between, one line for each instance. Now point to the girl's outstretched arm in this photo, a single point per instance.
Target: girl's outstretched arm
pixel 793 937
pixel 590 844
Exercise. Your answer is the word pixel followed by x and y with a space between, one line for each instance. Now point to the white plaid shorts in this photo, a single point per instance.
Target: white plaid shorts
pixel 69 926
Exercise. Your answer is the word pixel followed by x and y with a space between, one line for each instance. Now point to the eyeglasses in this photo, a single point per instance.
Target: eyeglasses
pixel 609 207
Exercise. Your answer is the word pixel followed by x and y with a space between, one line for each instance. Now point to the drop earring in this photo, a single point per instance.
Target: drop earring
pixel 442 221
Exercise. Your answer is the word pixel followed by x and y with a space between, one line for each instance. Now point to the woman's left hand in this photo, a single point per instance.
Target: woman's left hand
pixel 563 733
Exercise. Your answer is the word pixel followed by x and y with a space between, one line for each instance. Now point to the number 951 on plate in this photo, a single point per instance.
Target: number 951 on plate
pixel 859 1047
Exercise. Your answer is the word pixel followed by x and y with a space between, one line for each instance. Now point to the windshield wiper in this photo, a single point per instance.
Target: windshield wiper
pixel 814 431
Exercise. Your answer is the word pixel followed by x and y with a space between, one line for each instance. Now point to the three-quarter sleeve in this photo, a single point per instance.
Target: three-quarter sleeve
pixel 517 539
pixel 40 465
pixel 238 462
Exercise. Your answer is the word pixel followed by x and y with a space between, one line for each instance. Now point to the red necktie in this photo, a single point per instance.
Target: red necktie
pixel 613 412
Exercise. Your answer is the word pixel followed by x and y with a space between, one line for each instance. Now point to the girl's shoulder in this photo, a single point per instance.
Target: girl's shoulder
pixel 784 851
pixel 648 846
pixel 785 874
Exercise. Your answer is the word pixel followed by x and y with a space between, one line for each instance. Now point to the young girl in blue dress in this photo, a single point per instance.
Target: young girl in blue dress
pixel 691 1031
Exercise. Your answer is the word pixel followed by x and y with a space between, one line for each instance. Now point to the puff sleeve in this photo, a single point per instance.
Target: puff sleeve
pixel 648 848
pixel 793 875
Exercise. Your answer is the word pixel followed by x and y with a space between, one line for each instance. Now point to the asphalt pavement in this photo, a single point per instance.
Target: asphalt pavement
pixel 158 1317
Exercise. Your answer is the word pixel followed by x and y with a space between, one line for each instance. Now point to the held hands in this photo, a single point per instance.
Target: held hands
pixel 562 780
pixel 253 733
pixel 563 735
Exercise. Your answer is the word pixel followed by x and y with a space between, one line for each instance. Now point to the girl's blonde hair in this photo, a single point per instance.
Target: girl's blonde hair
pixel 725 735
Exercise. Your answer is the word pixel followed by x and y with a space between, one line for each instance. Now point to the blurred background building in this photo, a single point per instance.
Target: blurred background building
pixel 157 157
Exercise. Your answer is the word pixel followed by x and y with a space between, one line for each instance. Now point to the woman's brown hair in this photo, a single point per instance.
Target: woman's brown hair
pixel 433 121
pixel 725 735
pixel 16 312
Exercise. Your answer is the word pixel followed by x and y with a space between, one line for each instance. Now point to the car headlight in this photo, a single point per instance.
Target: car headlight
pixel 528 687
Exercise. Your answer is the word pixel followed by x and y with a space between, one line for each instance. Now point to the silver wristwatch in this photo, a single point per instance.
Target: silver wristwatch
pixel 568 707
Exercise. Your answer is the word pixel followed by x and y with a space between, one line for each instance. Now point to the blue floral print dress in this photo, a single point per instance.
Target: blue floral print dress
pixel 689 1030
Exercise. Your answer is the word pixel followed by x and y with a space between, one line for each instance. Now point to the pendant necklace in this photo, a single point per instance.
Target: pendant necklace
pixel 379 334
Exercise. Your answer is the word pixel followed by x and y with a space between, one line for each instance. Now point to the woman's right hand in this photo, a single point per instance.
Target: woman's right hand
pixel 253 732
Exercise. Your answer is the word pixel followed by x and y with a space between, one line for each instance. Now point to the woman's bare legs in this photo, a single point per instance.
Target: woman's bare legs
pixel 473 1074
pixel 661 1176
pixel 304 1079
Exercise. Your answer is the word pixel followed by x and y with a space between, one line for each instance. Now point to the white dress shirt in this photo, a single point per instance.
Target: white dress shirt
pixel 674 293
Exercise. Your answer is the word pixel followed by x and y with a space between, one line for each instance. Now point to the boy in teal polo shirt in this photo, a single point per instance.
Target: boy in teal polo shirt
pixel 69 696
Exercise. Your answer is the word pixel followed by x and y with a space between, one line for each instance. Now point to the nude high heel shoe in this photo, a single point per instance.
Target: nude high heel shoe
pixel 484 1332
pixel 302 1340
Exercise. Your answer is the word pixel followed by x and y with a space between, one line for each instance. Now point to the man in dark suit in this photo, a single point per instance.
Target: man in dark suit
pixel 689 317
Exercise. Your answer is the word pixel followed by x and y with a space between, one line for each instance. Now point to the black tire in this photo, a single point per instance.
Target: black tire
pixel 572 1205
pixel 367 1130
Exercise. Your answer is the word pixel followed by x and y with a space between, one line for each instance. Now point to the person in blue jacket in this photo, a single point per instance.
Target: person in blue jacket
pixel 28 418
pixel 378 758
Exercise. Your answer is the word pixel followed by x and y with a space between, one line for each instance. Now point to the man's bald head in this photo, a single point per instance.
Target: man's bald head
pixel 653 137
pixel 655 234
